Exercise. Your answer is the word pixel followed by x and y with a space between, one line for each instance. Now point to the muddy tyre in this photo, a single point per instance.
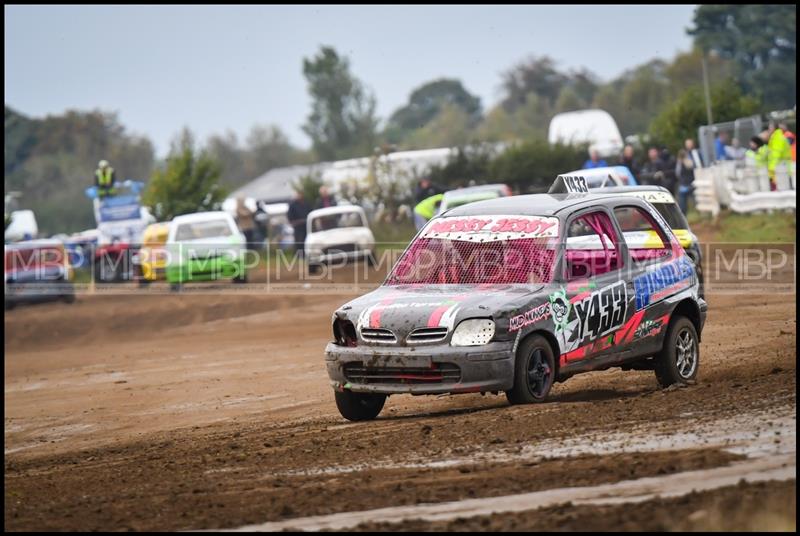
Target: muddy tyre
pixel 359 406
pixel 534 371
pixel 679 358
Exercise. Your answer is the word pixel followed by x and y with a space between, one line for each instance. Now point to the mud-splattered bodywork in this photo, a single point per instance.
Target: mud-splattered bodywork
pixel 401 338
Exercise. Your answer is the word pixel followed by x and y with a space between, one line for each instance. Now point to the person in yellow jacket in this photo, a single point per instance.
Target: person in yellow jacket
pixel 104 179
pixel 779 152
pixel 426 209
pixel 757 153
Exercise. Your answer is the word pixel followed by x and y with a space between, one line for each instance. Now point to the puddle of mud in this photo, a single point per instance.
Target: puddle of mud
pixel 759 434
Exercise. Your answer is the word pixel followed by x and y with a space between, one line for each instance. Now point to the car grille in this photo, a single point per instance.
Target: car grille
pixel 204 256
pixel 439 373
pixel 341 248
pixel 378 335
pixel 423 335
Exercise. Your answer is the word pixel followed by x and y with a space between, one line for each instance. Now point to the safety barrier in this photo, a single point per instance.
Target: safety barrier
pixel 744 188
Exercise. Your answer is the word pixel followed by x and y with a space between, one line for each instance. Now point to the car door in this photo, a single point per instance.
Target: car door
pixel 657 269
pixel 594 301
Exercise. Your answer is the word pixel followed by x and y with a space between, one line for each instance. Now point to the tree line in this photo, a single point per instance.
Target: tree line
pixel 751 59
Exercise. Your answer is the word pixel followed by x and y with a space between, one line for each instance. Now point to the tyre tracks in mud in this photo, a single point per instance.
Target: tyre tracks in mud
pixel 155 432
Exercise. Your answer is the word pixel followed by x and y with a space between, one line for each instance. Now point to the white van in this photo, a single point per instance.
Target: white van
pixel 595 127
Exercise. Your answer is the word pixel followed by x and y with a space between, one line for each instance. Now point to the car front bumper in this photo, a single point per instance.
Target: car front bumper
pixel 316 257
pixel 24 290
pixel 482 368
pixel 205 270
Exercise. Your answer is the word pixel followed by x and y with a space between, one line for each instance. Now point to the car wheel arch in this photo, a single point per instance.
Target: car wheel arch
pixel 688 308
pixel 551 339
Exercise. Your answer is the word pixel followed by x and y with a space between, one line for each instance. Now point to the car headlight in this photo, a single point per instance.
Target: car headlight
pixel 473 332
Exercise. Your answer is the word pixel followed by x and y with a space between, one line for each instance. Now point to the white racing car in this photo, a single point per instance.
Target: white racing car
pixel 338 234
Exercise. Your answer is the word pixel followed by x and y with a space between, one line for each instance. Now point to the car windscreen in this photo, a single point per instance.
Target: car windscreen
pixel 336 221
pixel 672 213
pixel 480 250
pixel 203 229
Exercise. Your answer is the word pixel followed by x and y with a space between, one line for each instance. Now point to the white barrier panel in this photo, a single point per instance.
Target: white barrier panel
pixel 705 191
pixel 744 189
pixel 780 200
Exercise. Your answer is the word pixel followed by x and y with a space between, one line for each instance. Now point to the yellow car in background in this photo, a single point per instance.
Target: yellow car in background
pixel 153 253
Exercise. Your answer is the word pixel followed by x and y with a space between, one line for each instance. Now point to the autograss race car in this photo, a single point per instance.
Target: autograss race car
pixel 515 293
pixel 152 256
pixel 205 246
pixel 338 234
pixel 470 194
pixel 37 271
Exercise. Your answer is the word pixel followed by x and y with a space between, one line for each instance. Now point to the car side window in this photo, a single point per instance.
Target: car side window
pixel 642 235
pixel 592 247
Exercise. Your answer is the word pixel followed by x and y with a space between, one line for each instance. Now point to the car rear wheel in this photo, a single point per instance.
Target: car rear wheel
pixel 359 406
pixel 679 358
pixel 534 371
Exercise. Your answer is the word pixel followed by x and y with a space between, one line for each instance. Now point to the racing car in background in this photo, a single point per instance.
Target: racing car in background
pixel 513 294
pixel 339 233
pixel 470 194
pixel 36 271
pixel 204 246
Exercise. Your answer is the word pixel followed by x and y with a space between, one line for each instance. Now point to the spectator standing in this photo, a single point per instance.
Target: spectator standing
pixel 426 209
pixel 790 137
pixel 684 173
pixel 653 170
pixel 245 220
pixel 756 155
pixel 780 152
pixel 104 179
pixel 628 160
pixel 297 216
pixel 736 151
pixel 669 170
pixel 425 189
pixel 326 199
pixel 720 145
pixel 594 160
pixel 694 154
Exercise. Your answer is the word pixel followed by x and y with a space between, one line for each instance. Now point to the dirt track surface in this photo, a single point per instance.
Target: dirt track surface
pixel 214 411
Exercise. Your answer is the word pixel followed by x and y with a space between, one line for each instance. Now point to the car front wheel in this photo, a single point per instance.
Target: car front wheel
pixel 679 358
pixel 534 371
pixel 359 406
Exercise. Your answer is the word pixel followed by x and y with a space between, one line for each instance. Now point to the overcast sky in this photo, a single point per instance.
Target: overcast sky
pixel 218 68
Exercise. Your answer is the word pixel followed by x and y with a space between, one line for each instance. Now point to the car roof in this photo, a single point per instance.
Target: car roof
pixel 340 209
pixel 537 204
pixel 202 216
pixel 631 188
pixel 651 193
pixel 36 243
